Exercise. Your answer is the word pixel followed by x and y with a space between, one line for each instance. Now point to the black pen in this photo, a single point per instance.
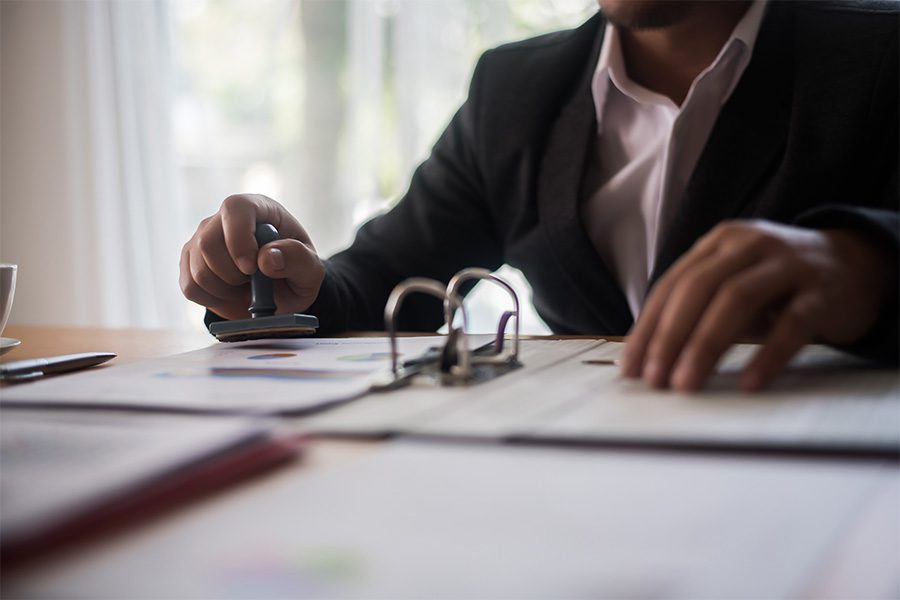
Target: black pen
pixel 601 361
pixel 32 368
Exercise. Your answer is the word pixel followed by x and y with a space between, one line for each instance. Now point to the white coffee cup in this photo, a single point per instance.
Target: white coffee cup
pixel 7 291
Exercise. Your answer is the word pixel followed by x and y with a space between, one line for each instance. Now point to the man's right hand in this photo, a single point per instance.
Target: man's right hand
pixel 218 260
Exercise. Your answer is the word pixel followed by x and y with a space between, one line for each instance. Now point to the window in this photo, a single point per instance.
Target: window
pixel 328 105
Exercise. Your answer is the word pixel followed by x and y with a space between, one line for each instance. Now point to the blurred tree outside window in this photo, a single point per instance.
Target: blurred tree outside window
pixel 329 105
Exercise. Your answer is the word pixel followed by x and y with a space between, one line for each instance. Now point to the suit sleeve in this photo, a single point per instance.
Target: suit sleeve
pixel 441 225
pixel 878 219
pixel 881 227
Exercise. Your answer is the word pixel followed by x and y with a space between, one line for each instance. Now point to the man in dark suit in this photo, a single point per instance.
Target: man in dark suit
pixel 720 169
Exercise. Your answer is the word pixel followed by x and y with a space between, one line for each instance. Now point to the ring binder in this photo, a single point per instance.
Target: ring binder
pixel 474 273
pixel 456 363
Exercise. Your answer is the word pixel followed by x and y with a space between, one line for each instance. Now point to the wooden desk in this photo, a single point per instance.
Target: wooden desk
pixel 861 562
pixel 129 344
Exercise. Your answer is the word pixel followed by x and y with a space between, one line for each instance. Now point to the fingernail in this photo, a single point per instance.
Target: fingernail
pixel 276 258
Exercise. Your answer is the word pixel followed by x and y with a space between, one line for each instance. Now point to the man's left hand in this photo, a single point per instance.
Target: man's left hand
pixel 791 285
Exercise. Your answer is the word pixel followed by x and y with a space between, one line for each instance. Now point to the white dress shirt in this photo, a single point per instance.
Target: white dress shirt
pixel 646 150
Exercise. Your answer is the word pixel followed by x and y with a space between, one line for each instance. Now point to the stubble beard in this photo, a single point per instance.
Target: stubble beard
pixel 645 14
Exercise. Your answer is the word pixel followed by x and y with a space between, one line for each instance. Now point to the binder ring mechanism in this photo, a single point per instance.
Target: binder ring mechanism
pixel 456 363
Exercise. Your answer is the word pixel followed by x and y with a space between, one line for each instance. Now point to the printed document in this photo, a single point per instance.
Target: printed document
pixel 260 376
pixel 826 401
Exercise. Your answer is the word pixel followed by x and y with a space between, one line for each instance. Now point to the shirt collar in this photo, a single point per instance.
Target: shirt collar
pixel 611 65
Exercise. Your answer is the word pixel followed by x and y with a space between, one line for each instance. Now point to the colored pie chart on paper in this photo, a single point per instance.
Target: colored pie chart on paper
pixel 323 375
pixel 307 374
pixel 370 357
pixel 272 355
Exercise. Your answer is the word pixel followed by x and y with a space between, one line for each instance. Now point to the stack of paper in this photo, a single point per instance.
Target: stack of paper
pixel 826 402
pixel 486 521
pixel 268 376
pixel 67 473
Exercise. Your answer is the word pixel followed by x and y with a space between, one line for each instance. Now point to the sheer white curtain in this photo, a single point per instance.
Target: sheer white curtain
pixel 88 202
pixel 409 65
pixel 326 105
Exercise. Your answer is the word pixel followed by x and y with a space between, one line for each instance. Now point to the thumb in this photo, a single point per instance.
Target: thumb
pixel 294 262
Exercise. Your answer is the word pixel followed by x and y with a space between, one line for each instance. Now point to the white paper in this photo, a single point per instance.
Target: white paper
pixel 248 377
pixel 57 465
pixel 827 401
pixel 456 521
pixel 413 408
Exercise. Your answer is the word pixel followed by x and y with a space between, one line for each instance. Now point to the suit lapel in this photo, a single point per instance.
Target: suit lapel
pixel 748 137
pixel 559 188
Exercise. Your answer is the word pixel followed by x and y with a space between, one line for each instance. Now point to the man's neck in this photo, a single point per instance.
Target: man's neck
pixel 666 60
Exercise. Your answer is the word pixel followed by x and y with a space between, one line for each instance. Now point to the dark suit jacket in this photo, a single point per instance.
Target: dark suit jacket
pixel 809 136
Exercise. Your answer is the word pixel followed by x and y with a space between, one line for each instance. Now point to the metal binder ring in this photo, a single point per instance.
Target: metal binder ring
pixel 436 289
pixel 476 273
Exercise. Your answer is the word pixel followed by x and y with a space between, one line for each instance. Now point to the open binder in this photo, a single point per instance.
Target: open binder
pixel 457 363
pixel 498 388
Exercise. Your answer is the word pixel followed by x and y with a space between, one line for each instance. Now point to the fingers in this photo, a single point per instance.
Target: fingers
pixel 729 315
pixel 740 275
pixel 217 261
pixel 191 290
pixel 214 252
pixel 200 285
pixel 207 280
pixel 297 270
pixel 685 305
pixel 240 214
pixel 793 329
pixel 633 357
